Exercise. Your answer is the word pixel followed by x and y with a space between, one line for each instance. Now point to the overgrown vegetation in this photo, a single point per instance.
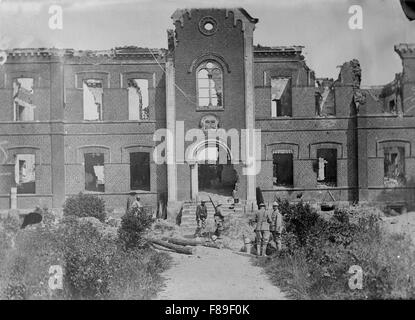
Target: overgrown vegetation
pixel 85 205
pixel 133 226
pixel 96 262
pixel 318 254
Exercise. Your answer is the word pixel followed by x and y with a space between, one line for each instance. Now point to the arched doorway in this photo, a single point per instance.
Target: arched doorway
pixel 212 169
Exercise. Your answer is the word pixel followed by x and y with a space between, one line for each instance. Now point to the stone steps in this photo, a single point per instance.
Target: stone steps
pixel 188 221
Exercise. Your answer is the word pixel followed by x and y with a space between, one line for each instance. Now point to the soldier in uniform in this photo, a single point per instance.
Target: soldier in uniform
pixel 262 220
pixel 131 199
pixel 201 216
pixel 276 224
pixel 219 220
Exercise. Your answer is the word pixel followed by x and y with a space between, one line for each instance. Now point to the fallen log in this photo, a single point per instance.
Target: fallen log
pixel 183 242
pixel 191 242
pixel 177 248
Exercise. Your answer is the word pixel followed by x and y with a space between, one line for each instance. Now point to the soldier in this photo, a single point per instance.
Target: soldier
pixel 262 220
pixel 219 220
pixel 201 216
pixel 137 203
pixel 131 199
pixel 235 194
pixel 276 224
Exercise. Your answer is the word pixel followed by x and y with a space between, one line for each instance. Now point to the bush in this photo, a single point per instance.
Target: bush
pixel 318 254
pixel 85 205
pixel 94 262
pixel 298 219
pixel 88 254
pixel 24 271
pixel 133 226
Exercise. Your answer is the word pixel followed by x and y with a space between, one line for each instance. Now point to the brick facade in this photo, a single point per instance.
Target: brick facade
pixel 359 131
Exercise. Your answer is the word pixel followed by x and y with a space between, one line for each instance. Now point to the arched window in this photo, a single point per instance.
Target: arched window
pixel 210 85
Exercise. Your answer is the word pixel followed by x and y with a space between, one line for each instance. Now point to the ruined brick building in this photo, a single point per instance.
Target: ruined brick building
pixel 74 121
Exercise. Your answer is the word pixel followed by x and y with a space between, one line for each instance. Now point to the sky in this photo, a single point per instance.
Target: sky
pixel 321 26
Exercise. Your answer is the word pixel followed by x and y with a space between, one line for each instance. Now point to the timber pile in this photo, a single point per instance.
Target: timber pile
pixel 184 246
pixel 171 246
pixel 192 242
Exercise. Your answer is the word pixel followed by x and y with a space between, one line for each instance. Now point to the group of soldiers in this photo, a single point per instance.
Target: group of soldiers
pixel 267 224
pixel 201 217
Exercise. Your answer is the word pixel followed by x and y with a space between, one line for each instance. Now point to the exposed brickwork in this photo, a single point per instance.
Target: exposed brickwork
pixel 58 137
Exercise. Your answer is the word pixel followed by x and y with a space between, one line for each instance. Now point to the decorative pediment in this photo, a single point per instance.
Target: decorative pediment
pixel 209 122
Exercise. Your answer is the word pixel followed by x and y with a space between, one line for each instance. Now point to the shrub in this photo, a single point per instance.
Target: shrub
pixel 88 254
pixel 298 219
pixel 24 271
pixel 133 226
pixel 94 263
pixel 85 205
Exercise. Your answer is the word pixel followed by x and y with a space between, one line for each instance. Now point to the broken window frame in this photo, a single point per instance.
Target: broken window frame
pixel 214 88
pixel 145 165
pixel 280 108
pixel 143 112
pixel 392 109
pixel 332 180
pixel 93 170
pixel 99 107
pixel 320 102
pixel 275 179
pixel 27 106
pixel 394 167
pixel 28 186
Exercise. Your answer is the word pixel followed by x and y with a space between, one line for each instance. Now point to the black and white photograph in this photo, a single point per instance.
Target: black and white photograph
pixel 171 151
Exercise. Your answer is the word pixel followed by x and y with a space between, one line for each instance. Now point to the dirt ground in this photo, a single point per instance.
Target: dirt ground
pixel 216 274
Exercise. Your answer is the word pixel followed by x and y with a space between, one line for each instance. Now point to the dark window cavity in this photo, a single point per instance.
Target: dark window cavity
pixel 140 171
pixel 283 169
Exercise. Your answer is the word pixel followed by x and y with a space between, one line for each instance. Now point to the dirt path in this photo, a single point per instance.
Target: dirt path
pixel 216 274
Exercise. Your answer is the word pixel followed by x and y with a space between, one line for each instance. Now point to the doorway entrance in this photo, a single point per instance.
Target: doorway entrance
pixel 217 178
pixel 212 170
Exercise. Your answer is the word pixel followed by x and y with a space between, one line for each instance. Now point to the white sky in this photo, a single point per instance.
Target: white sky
pixel 320 25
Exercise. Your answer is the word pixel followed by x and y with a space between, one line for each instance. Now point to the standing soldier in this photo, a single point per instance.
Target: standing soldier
pixel 235 194
pixel 219 220
pixel 131 199
pixel 137 203
pixel 262 220
pixel 276 224
pixel 201 216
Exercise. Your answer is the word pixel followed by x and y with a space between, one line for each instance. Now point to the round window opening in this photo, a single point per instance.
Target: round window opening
pixel 208 26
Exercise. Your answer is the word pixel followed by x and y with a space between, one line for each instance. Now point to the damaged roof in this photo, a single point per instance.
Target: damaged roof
pixel 117 52
pixel 278 50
